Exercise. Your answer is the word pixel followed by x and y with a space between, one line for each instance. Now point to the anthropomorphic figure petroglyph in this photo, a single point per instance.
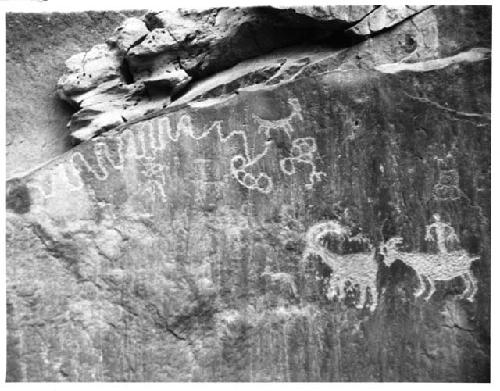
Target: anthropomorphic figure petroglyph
pixel 444 233
pixel 284 124
pixel 444 266
pixel 357 268
pixel 302 151
pixel 447 187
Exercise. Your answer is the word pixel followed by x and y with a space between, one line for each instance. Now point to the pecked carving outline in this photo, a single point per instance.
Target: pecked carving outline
pixel 145 145
pixel 443 266
pixel 302 151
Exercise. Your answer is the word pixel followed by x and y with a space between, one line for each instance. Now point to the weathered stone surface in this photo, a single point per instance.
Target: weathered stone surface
pixel 312 215
pixel 158 56
pixel 384 17
pixel 37 45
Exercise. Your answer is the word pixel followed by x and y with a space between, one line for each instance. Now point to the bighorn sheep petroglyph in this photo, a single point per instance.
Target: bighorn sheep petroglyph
pixel 358 268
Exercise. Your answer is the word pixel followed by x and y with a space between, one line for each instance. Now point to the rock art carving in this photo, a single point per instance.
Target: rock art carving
pixel 62 173
pixel 357 268
pixel 154 174
pixel 447 188
pixel 241 164
pixel 43 187
pixel 444 233
pixel 302 151
pixel 284 123
pixel 146 142
pixel 444 266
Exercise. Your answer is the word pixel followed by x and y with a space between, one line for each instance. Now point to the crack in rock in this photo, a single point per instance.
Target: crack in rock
pixel 163 53
pixel 472 55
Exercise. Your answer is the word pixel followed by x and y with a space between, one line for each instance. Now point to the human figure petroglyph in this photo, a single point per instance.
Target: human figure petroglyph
pixel 284 123
pixel 444 266
pixel 357 268
pixel 154 173
pixel 444 232
pixel 302 151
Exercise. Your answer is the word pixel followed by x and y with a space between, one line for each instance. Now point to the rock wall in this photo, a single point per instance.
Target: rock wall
pixel 37 46
pixel 313 214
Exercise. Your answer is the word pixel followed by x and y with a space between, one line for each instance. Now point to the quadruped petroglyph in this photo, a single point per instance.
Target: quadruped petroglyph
pixel 443 266
pixel 357 268
pixel 145 143
pixel 265 126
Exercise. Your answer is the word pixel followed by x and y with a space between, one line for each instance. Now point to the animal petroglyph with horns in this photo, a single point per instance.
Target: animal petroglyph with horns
pixel 443 266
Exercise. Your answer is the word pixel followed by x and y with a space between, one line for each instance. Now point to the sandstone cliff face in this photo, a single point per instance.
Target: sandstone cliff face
pixel 37 46
pixel 314 213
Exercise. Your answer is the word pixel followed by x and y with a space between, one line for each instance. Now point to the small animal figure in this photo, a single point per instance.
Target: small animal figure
pixel 266 125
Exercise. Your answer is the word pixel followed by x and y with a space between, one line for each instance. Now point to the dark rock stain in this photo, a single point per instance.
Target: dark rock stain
pixel 18 197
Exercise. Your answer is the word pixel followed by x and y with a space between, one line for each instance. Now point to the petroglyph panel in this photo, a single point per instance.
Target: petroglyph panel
pixel 145 143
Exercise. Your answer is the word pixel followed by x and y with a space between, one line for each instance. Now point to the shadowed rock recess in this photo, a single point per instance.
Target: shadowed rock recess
pixel 263 194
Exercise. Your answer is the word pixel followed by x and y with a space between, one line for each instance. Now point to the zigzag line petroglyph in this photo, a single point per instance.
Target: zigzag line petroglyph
pixel 145 144
pixel 444 266
pixel 302 151
pixel 357 268
pixel 284 123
